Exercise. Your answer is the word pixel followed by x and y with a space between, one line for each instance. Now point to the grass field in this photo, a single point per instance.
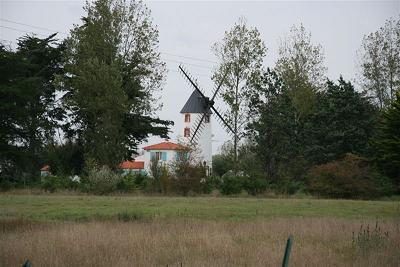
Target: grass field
pixel 79 230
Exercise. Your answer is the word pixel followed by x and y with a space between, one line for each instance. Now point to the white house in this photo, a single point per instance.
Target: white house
pixel 166 152
pixel 192 112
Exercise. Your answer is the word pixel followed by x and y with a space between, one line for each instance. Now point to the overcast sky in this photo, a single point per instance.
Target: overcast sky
pixel 188 29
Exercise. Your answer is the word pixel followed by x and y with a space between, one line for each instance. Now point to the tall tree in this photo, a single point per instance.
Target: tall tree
pixel 380 63
pixel 114 72
pixel 387 141
pixel 29 113
pixel 301 66
pixel 240 55
pixel 272 124
pixel 343 122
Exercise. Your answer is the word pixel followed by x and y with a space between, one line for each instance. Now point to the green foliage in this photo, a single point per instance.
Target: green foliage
pixel 301 66
pixel 64 159
pixel 114 70
pixel 220 165
pixel 52 183
pixel 209 183
pixel 343 122
pixel 387 142
pixel 241 54
pixel 102 180
pixel 28 107
pixel 127 183
pixel 188 172
pixel 380 63
pixel 188 178
pixel 255 184
pixel 351 177
pixel 141 180
pixel 289 186
pixel 232 184
pixel 272 125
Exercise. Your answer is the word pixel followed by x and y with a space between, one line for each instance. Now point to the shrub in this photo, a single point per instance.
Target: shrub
pixel 189 178
pixel 127 183
pixel 255 184
pixel 351 177
pixel 102 180
pixel 209 183
pixel 141 180
pixel 53 183
pixel 289 186
pixel 232 184
pixel 6 184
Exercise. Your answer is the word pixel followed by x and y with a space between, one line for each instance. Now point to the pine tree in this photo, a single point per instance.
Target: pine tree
pixel 387 141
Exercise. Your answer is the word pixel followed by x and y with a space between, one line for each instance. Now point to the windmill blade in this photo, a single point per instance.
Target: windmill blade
pixel 191 82
pixel 198 127
pixel 223 120
pixel 219 87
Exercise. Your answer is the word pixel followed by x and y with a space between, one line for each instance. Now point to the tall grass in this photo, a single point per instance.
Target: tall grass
pixel 188 242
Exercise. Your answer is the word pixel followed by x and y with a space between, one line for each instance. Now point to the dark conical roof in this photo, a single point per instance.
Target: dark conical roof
pixel 195 104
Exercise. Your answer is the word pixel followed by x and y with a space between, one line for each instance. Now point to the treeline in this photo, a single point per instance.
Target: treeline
pixel 84 104
pixel 299 131
pixel 91 97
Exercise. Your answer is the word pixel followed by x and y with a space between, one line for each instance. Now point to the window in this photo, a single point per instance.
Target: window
pixel 158 156
pixel 186 132
pixel 207 118
pixel 187 117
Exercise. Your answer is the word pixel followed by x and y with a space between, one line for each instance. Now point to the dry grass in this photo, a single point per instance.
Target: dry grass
pixel 317 242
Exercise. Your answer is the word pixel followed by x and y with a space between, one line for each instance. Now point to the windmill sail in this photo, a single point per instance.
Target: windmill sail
pixel 202 104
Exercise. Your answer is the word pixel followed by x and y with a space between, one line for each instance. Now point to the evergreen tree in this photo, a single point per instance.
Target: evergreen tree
pixel 29 112
pixel 272 124
pixel 342 122
pixel 387 141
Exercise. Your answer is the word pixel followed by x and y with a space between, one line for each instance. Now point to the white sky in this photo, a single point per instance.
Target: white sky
pixel 190 28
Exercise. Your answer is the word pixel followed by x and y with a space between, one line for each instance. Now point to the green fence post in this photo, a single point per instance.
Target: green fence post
pixel 288 248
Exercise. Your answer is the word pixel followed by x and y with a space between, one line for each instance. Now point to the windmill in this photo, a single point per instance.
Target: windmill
pixel 208 107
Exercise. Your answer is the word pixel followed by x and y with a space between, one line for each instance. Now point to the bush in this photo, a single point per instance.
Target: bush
pixel 289 186
pixel 53 183
pixel 255 184
pixel 6 184
pixel 127 183
pixel 209 183
pixel 231 184
pixel 351 177
pixel 102 180
pixel 189 178
pixel 141 180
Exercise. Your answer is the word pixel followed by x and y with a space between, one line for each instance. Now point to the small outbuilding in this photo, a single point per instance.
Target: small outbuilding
pixel 45 171
pixel 128 167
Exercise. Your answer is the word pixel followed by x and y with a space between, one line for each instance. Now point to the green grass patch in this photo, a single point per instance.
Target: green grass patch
pixel 128 208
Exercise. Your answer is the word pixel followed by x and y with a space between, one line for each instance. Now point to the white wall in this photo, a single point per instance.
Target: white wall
pixel 204 140
pixel 171 154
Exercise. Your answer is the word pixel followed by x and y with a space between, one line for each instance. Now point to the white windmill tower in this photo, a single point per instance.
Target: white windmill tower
pixel 193 111
pixel 197 119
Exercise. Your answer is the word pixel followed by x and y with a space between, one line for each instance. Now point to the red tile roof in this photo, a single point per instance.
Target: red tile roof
pixel 165 146
pixel 132 165
pixel 45 168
